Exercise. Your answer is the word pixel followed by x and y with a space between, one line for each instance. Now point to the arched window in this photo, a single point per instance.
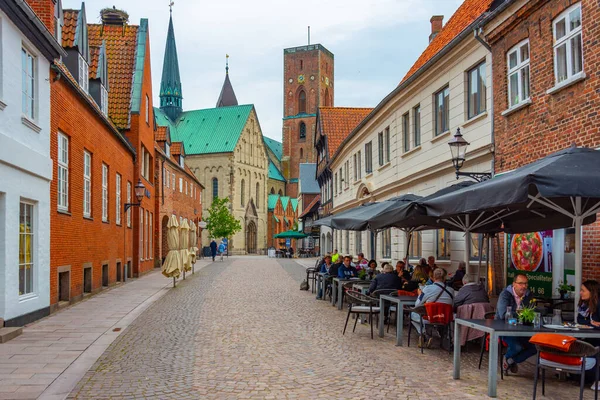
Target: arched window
pixel 327 103
pixel 302 102
pixel 243 197
pixel 302 130
pixel 257 195
pixel 280 193
pixel 301 154
pixel 215 188
pixel 272 190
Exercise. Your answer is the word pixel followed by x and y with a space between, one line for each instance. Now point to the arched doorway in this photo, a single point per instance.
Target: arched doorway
pixel 164 243
pixel 251 238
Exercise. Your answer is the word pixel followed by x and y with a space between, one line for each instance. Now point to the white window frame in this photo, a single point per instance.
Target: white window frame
pixel 380 149
pixel 118 200
pixel 566 39
pixel 147 109
pixel 63 172
pixel 103 100
pixel 443 126
pixel 129 202
pixel 27 265
pixel 104 192
pixel 180 185
pixel 167 149
pixel 87 184
pixel 84 74
pixel 28 85
pixel 518 69
pixel 481 90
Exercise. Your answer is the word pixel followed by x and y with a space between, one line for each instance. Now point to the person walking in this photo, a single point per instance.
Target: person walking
pixel 213 249
pixel 222 250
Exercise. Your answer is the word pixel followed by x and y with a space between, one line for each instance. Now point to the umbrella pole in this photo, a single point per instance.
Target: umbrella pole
pixel 468 248
pixel 578 248
pixel 174 284
pixel 408 235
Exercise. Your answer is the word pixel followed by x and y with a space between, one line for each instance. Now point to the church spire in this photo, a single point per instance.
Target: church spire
pixel 170 84
pixel 227 97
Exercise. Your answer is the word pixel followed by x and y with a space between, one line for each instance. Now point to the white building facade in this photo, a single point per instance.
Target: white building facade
pixel 26 51
pixel 402 147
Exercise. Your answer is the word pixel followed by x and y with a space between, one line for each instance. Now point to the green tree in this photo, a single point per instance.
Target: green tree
pixel 221 224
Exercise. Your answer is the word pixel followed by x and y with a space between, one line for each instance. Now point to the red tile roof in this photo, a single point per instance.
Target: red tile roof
pixel 466 14
pixel 338 122
pixel 69 27
pixel 187 169
pixel 120 52
pixel 94 57
pixel 310 206
pixel 176 148
pixel 161 134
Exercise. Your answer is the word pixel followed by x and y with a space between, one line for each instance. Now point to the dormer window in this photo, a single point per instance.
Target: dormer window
pixel 167 149
pixel 84 80
pixel 58 21
pixel 181 163
pixel 103 100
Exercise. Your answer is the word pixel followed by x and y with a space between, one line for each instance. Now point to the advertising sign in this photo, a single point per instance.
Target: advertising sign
pixel 531 253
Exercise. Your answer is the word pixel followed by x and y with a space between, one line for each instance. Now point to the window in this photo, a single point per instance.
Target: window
pixel 415 250
pixel 243 193
pixel 141 233
pixel 145 164
pixel 186 188
pixel 302 130
pixel 147 109
pixel 165 177
pixel 26 247
pixel 181 161
pixel 118 200
pixel 146 234
pixel 380 146
pixel 387 144
pixel 84 76
pixel 341 181
pixel 518 73
pixel 405 132
pixel 355 170
pixel 215 188
pixel 417 125
pixel 358 241
pixel 257 195
pixel 301 64
pixel 335 185
pixel 28 84
pixel 386 243
pixel 63 172
pixel 301 102
pixel 87 184
pixel 129 201
pixel 103 100
pixel 180 185
pixel 167 149
pixel 476 91
pixel 150 234
pixel 369 157
pixel 347 174
pixel 104 192
pixel 442 100
pixel 359 165
pixel 568 51
pixel 173 181
pixel 443 244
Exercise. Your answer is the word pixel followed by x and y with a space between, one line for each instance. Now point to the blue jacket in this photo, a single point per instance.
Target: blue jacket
pixel 507 299
pixel 346 272
pixel 324 268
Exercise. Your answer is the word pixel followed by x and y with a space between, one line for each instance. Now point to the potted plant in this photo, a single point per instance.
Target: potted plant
pixel 526 315
pixel 362 274
pixel 563 288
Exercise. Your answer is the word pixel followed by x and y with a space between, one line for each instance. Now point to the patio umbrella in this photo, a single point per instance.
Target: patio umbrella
pixel 558 191
pixel 193 249
pixel 184 237
pixel 170 267
pixel 323 221
pixel 291 234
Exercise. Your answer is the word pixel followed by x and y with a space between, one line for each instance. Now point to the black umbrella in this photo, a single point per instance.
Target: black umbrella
pixel 558 191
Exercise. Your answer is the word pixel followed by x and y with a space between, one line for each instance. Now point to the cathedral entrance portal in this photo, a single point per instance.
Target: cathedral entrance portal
pixel 251 238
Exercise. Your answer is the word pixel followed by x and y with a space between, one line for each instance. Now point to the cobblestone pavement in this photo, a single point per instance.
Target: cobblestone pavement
pixel 242 329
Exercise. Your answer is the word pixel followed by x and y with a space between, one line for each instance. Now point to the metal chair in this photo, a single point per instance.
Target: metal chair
pixel 491 315
pixel 311 274
pixel 359 303
pixel 443 327
pixel 551 358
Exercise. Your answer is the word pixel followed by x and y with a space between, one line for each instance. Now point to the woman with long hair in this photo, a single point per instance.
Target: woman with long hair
pixel 588 310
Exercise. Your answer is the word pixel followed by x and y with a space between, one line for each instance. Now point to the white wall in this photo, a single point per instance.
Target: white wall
pixel 26 171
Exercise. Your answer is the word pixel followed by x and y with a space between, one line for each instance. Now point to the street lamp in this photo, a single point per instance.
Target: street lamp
pixel 458 149
pixel 320 211
pixel 139 191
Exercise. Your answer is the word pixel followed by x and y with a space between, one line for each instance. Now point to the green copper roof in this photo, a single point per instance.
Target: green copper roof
pixel 285 200
pixel 170 84
pixel 294 204
pixel 276 219
pixel 274 173
pixel 272 201
pixel 275 146
pixel 212 130
pixel 138 72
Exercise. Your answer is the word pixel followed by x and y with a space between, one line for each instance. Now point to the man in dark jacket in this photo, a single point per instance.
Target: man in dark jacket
pixel 346 270
pixel 515 295
pixel 213 249
pixel 470 293
pixel 388 280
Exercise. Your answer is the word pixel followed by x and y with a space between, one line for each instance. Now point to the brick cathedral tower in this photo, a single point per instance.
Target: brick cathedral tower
pixel 308 85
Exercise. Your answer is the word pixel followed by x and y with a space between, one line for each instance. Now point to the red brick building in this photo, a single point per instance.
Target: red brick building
pixel 178 191
pixel 546 58
pixel 90 240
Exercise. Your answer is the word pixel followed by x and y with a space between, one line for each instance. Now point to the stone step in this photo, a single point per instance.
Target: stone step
pixel 7 334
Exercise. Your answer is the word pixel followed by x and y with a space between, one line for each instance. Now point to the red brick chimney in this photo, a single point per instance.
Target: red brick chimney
pixel 437 21
pixel 44 9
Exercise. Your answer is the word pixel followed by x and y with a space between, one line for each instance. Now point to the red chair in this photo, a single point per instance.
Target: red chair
pixel 439 316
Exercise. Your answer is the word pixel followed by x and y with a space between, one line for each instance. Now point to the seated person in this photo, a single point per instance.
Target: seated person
pixel 386 280
pixel 335 256
pixel 418 278
pixel 372 269
pixel 519 348
pixel 588 309
pixel 326 265
pixel 470 293
pixel 458 275
pixel 362 262
pixel 402 272
pixel 438 292
pixel 346 270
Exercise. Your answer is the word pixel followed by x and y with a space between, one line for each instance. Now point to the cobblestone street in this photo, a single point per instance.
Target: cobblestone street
pixel 241 329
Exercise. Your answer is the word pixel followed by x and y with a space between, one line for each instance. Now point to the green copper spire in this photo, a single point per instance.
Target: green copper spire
pixel 170 84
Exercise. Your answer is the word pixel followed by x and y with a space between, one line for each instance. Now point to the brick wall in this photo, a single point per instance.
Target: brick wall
pixel 76 240
pixel 44 9
pixel 552 121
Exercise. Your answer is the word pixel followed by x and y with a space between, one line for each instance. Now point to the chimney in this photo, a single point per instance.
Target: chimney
pixel 114 16
pixel 437 21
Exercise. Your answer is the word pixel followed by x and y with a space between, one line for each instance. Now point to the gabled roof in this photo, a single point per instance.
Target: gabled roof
pixel 336 123
pixel 272 201
pixel 294 203
pixel 275 146
pixel 69 27
pixel 98 68
pixel 274 172
pixel 308 183
pixel 162 134
pixel 227 96
pixel 285 200
pixel 212 130
pixel 311 206
pixel 174 163
pixel 464 16
pixel 177 149
pixel 121 42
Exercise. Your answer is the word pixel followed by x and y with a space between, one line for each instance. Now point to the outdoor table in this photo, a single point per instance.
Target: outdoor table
pixel 400 302
pixel 497 328
pixel 321 278
pixel 361 287
pixel 337 290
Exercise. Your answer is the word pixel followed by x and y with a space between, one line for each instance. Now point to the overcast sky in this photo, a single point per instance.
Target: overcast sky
pixel 374 42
